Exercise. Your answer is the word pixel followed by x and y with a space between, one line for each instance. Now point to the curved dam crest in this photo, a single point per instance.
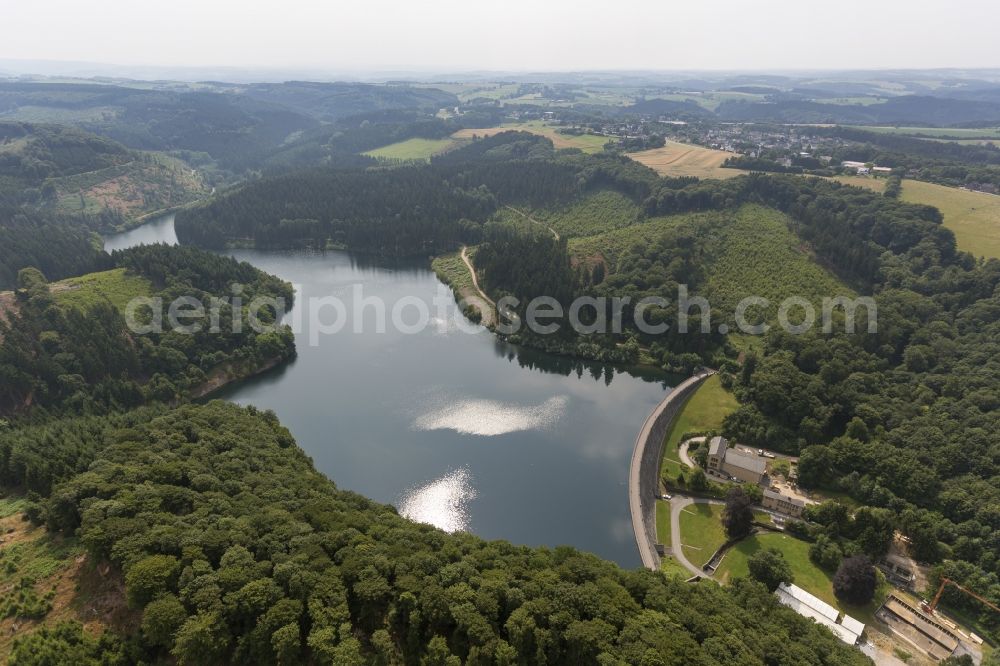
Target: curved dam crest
pixel 644 470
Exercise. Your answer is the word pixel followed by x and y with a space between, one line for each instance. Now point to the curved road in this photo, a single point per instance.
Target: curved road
pixel 643 476
pixel 682 451
pixel 485 309
pixel 678 504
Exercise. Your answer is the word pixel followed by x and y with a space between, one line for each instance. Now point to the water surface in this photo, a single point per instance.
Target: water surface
pixel 160 230
pixel 459 430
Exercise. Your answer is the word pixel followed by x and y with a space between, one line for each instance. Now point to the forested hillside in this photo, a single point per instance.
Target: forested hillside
pixel 237 551
pixel 57 245
pixel 71 171
pixel 411 210
pixel 408 210
pixel 84 358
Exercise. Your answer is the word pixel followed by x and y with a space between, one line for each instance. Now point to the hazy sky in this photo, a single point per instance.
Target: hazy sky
pixel 457 35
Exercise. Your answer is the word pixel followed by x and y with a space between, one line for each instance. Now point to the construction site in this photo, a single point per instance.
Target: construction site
pixel 922 626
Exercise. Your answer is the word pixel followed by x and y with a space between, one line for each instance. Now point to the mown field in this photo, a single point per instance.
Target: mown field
pixel 701 532
pixel 114 286
pixel 588 143
pixel 973 216
pixel 412 149
pixel 685 159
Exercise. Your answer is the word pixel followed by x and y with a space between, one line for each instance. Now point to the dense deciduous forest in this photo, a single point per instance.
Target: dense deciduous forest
pixel 237 550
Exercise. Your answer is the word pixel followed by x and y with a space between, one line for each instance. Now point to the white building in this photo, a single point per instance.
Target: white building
pixel 845 628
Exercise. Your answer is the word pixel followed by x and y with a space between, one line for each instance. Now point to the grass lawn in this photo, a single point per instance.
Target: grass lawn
pixel 412 149
pixel 808 576
pixel 115 286
pixel 701 532
pixel 703 411
pixel 663 522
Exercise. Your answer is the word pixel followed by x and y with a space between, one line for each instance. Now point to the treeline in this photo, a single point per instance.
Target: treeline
pixel 912 110
pixel 848 227
pixel 411 210
pixel 235 550
pixel 87 359
pixel 942 162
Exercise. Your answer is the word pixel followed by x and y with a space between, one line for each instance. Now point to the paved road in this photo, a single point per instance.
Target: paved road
pixel 682 451
pixel 678 504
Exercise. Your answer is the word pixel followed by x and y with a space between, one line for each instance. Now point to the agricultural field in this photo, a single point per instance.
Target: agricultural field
pixel 685 159
pixel 807 575
pixel 596 213
pixel 412 149
pixel 711 100
pixel 114 286
pixel 973 216
pixel 701 532
pixel 937 132
pixel 588 143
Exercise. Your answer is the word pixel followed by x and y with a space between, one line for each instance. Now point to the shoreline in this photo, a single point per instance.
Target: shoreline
pixel 644 472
